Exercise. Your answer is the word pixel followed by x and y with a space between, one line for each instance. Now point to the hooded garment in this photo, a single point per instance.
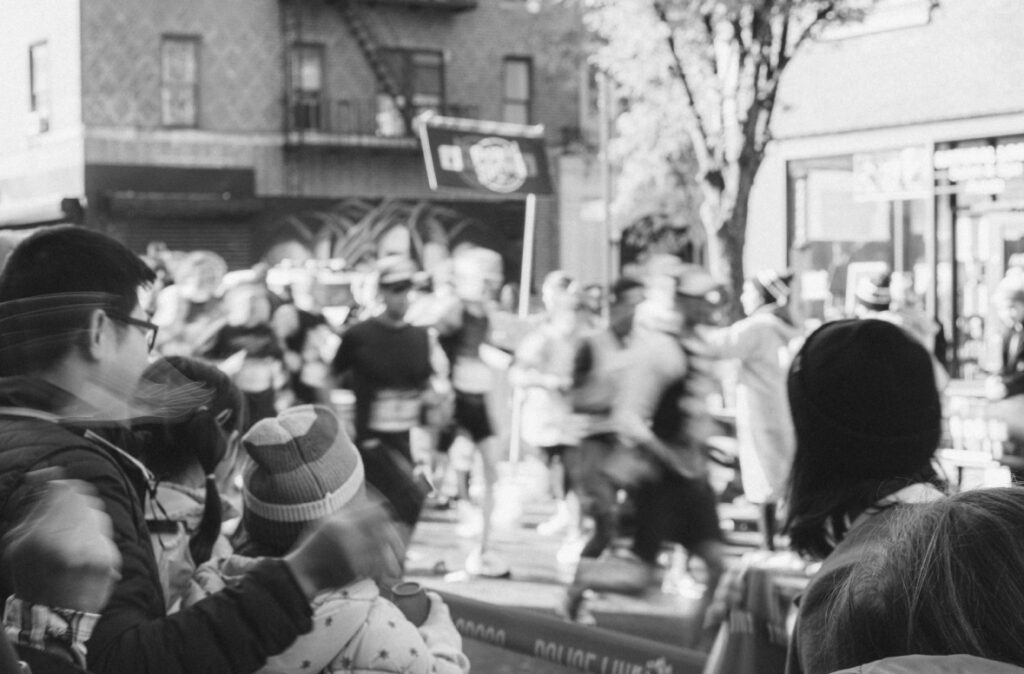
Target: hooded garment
pixel 355 631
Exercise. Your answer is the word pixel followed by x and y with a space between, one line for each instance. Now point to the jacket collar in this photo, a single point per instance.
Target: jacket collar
pixel 35 394
pixel 35 398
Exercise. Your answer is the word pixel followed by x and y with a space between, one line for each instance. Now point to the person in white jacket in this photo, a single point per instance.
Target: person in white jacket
pixel 761 343
pixel 303 468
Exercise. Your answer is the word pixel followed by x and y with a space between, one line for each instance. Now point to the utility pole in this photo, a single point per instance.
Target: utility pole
pixel 611 247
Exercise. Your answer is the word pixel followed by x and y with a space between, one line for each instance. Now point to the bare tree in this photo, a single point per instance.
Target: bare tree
pixel 716 65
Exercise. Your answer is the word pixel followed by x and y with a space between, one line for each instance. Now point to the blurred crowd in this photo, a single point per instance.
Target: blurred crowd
pixel 204 470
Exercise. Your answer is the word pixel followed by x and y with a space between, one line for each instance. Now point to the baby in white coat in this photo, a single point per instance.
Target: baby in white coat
pixel 303 468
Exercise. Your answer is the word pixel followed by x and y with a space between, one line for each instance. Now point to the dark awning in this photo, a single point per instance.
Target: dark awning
pixel 181 204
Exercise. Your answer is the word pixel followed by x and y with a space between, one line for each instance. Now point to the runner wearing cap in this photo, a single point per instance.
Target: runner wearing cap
pixel 661 420
pixel 391 364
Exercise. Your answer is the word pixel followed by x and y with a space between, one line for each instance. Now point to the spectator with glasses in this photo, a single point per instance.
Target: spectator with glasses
pixel 149 329
pixel 69 364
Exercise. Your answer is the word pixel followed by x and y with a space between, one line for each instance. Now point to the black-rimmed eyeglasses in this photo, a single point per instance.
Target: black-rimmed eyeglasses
pixel 149 329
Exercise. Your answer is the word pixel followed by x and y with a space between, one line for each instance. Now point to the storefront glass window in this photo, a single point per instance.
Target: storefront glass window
pixel 856 216
pixel 979 207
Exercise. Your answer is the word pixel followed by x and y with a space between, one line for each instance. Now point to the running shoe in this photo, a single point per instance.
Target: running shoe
pixel 487 565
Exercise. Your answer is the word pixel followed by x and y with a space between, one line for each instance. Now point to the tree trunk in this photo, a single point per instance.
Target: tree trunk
pixel 724 215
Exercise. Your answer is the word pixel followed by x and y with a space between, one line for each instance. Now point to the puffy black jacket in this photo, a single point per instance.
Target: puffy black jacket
pixel 233 631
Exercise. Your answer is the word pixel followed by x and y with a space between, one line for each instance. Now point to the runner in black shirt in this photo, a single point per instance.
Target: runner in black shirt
pixel 391 364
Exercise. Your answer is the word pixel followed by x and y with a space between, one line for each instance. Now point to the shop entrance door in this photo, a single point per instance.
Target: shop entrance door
pixel 987 244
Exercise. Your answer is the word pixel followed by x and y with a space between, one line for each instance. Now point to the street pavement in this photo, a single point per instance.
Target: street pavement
pixel 538 579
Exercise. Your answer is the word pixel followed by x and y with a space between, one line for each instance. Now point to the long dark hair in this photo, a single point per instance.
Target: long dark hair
pixel 948 580
pixel 821 507
pixel 867 419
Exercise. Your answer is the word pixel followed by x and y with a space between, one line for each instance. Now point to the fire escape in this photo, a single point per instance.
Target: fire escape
pixel 360 31
pixel 384 122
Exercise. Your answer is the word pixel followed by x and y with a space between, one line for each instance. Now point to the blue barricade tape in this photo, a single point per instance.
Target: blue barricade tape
pixel 587 649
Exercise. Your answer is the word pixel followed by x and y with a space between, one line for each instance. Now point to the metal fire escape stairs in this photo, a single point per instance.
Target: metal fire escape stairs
pixel 351 12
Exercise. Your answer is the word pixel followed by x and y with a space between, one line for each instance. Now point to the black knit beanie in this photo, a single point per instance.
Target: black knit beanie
pixel 864 400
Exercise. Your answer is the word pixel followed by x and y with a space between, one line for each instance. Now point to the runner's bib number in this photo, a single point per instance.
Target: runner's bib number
pixel 395 410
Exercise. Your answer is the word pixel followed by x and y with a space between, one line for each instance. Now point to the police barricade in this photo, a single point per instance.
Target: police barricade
pixel 587 649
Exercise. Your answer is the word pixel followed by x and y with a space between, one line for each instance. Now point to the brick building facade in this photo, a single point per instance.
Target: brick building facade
pixel 204 123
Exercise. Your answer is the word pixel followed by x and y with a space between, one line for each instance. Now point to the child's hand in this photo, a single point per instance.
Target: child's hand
pixel 350 544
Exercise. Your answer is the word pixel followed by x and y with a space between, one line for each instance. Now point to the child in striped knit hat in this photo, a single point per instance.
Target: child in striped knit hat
pixel 303 468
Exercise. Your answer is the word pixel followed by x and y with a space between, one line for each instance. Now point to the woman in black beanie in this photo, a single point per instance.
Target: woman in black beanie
pixel 867 417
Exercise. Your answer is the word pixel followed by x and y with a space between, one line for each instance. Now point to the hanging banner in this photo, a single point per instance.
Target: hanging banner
pixel 493 157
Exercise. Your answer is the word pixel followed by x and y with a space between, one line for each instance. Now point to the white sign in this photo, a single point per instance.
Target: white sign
pixel 982 169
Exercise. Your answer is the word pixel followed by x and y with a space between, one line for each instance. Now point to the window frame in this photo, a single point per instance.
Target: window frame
pixel 506 101
pixel 196 42
pixel 40 105
pixel 406 80
pixel 297 96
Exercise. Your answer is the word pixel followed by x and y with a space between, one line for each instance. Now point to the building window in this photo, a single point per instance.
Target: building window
pixel 39 86
pixel 419 77
pixel 518 92
pixel 307 87
pixel 979 238
pixel 179 81
pixel 855 216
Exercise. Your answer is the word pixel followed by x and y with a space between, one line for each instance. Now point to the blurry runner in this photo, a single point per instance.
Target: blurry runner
pixel 189 311
pixel 249 349
pixel 597 367
pixel 434 297
pixel 543 366
pixel 660 421
pixel 392 364
pixel 309 346
pixel 464 332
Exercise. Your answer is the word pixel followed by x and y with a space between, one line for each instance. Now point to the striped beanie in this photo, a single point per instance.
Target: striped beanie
pixel 303 468
pixel 774 287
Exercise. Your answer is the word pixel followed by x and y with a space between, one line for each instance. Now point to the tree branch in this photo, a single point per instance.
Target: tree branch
pixel 778 62
pixel 709 26
pixel 702 137
pixel 768 105
pixel 820 16
pixel 737 30
pixel 707 18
